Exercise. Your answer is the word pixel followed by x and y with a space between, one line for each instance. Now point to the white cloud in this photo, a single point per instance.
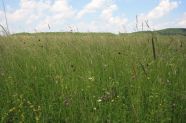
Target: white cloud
pixel 155 15
pixel 1 15
pixel 164 7
pixel 182 21
pixel 60 6
pixel 38 14
pixel 28 8
pixel 97 26
pixel 105 21
pixel 93 6
pixel 60 11
pixel 107 16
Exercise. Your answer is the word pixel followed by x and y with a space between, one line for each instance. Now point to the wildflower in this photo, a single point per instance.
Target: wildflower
pixel 91 78
pixel 94 108
pixel 99 100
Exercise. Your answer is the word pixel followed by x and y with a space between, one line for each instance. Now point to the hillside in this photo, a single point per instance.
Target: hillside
pixel 168 31
pixel 173 31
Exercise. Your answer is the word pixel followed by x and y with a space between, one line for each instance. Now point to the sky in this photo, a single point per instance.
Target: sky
pixel 92 15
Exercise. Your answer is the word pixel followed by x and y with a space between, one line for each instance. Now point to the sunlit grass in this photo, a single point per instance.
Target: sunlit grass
pixel 92 78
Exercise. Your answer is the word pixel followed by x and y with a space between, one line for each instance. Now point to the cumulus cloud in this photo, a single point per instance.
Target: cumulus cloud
pixel 28 9
pixel 164 7
pixel 106 20
pixel 107 15
pixel 154 16
pixel 182 21
pixel 98 26
pixel 93 6
pixel 39 13
pixel 59 11
pixel 1 15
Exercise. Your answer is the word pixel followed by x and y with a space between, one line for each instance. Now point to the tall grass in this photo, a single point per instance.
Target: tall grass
pixel 6 20
pixel 74 77
pixel 4 31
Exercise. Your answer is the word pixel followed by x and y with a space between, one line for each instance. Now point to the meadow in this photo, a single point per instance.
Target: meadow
pixel 92 78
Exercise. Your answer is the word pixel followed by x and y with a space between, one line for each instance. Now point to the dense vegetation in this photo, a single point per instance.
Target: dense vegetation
pixel 173 31
pixel 88 78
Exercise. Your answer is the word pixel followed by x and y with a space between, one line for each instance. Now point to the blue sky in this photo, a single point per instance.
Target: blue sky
pixel 92 15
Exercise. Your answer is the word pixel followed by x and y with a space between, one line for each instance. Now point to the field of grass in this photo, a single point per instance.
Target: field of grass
pixel 92 78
